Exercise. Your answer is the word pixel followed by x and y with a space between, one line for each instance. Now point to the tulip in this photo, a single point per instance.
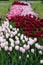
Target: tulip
pixel 17 42
pixel 6 43
pixel 2 45
pixel 35 39
pixel 17 47
pixel 10 26
pixel 18 34
pixel 27 47
pixel 26 39
pixel 32 50
pixel 31 42
pixel 27 56
pixel 6 48
pixel 17 29
pixel 23 51
pixel 12 44
pixel 23 40
pixel 37 46
pixel 16 38
pixel 7 35
pixel 41 61
pixel 10 48
pixel 19 57
pixel 21 37
pixel 40 52
pixel 11 40
pixel 13 29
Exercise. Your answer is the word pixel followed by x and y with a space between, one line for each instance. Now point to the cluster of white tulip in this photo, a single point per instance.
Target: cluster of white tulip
pixel 8 33
pixel 5 33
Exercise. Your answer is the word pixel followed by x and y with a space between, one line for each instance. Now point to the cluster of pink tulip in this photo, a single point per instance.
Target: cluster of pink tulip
pixel 22 11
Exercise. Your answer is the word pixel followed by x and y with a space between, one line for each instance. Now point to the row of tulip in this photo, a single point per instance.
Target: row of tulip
pixel 29 24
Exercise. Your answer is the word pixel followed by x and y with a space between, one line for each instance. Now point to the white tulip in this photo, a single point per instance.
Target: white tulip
pixel 21 48
pixel 8 52
pixel 27 56
pixel 10 26
pixel 24 46
pixel 7 35
pixel 16 47
pixel 37 46
pixel 26 39
pixel 16 37
pixel 6 43
pixel 23 51
pixel 11 40
pixel 11 35
pixel 23 41
pixel 13 29
pixel 2 36
pixel 21 37
pixel 40 52
pixel 27 47
pixel 8 30
pixel 3 29
pixel 10 48
pixel 35 39
pixel 32 50
pixel 4 40
pixel 6 48
pixel 2 45
pixel 1 40
pixel 17 29
pixel 30 42
pixel 19 57
pixel 30 39
pixel 18 34
pixel 6 23
pixel 15 32
pixel 17 42
pixel 12 44
pixel 41 61
pixel 1 33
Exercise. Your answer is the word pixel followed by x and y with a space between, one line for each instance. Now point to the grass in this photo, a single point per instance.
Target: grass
pixel 5 58
pixel 4 10
pixel 38 8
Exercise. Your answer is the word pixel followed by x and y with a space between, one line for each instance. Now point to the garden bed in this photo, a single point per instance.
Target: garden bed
pixel 24 53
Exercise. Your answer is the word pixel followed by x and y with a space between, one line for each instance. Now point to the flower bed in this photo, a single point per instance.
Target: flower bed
pixel 21 48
